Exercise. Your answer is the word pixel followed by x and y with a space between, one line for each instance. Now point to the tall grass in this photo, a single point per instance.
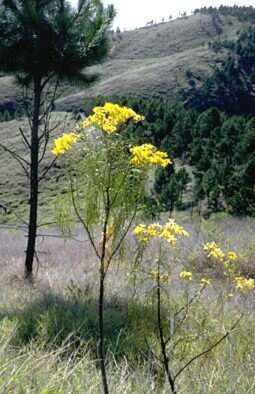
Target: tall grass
pixel 50 348
pixel 49 336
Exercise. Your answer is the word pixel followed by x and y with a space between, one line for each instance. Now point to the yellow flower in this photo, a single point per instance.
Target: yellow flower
pixel 205 282
pixel 175 228
pixel 64 143
pixel 162 278
pixel 231 256
pixel 147 154
pixel 186 275
pixel 109 117
pixel 214 251
pixel 144 233
pixel 169 232
pixel 168 236
pixel 243 283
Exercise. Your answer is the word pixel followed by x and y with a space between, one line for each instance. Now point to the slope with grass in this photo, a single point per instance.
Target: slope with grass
pixel 150 60
pixel 154 60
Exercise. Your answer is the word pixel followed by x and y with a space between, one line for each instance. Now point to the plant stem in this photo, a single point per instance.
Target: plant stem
pixel 161 335
pixel 101 292
pixel 101 330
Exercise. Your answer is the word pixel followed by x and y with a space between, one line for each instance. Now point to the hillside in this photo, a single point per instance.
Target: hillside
pixel 154 60
pixel 150 60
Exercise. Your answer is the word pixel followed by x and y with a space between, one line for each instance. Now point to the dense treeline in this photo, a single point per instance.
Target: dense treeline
pixel 212 135
pixel 230 87
pixel 213 151
pixel 241 12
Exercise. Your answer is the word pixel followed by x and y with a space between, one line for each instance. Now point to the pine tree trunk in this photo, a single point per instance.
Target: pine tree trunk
pixel 33 202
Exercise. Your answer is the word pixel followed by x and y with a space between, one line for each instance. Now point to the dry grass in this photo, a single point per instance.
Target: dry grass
pixel 49 330
pixel 154 60
pixel 65 261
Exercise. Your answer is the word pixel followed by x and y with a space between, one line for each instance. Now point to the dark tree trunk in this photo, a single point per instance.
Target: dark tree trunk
pixel 33 202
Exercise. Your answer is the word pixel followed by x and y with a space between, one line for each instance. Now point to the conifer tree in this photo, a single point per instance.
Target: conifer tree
pixel 43 42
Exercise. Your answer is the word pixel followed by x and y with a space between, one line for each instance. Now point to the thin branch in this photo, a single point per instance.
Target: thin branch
pixel 27 144
pixel 122 237
pixel 196 295
pixel 47 80
pixel 47 111
pixel 45 224
pixel 209 349
pixel 82 221
pixel 47 169
pixel 14 153
pixel 46 135
pixel 107 215
pixel 78 14
pixel 186 309
pixel 61 237
pixel 17 157
pixel 15 214
pixel 165 360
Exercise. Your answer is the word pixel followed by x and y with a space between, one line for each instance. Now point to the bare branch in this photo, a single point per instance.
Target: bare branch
pixel 48 168
pixel 124 234
pixel 83 221
pixel 22 162
pixel 186 309
pixel 27 144
pixel 47 80
pixel 209 349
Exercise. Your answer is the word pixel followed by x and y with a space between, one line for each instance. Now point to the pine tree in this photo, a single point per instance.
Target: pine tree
pixel 43 42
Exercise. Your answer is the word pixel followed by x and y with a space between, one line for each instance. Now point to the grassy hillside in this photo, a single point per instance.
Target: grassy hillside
pixel 150 60
pixel 154 60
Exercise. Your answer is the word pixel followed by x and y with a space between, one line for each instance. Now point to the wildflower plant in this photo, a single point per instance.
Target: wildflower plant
pixel 173 323
pixel 64 143
pixel 106 189
pixel 229 262
pixel 108 177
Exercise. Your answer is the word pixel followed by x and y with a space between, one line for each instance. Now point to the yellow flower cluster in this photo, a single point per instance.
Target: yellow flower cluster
pixel 162 278
pixel 172 226
pixel 148 154
pixel 205 282
pixel 186 275
pixel 243 283
pixel 169 232
pixel 231 256
pixel 109 117
pixel 214 251
pixel 64 143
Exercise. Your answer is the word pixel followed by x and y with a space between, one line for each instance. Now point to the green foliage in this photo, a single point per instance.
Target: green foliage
pixel 230 87
pixel 99 170
pixel 243 13
pixel 218 148
pixel 41 38
pixel 169 188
